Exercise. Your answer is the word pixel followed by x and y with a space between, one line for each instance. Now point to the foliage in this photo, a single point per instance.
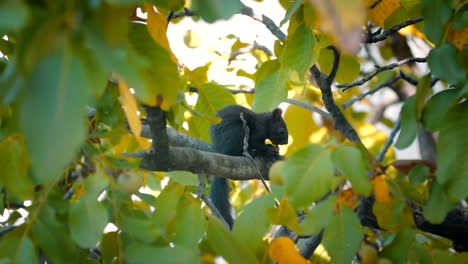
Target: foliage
pixel 74 71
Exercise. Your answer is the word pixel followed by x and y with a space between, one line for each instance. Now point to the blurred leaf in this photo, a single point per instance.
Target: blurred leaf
pixel 189 228
pixel 184 177
pixel 409 125
pixel 160 73
pixel 452 172
pixel 131 108
pixel 300 126
pixel 381 190
pixel 382 11
pixel 53 238
pixel 13 15
pixel 397 17
pixel 53 114
pixel 227 245
pixel 166 204
pixel 423 90
pixel 212 10
pixel 109 246
pixel 284 215
pixel 351 162
pixel 342 238
pixel 393 215
pixel 419 174
pixel 283 251
pixel 157 28
pixel 348 70
pixel 140 227
pixel 443 63
pixel 171 5
pixel 398 250
pixel 252 224
pixel 318 217
pixel 18 250
pixel 143 253
pixel 15 167
pixel 87 219
pixel 291 10
pixel 309 175
pixel 436 108
pixel 192 39
pixel 343 19
pixel 460 20
pixel 436 13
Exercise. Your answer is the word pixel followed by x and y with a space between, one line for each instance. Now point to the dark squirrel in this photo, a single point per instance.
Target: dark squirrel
pixel 228 138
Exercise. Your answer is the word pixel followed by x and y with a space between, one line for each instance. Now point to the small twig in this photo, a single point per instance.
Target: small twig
pixel 371 91
pixel 389 141
pixel 408 78
pixel 346 86
pixel 248 49
pixel 309 107
pixel 245 10
pixel 246 152
pixel 375 4
pixel 186 12
pixel 394 29
pixel 201 195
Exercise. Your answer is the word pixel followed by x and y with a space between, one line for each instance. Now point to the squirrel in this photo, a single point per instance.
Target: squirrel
pixel 228 138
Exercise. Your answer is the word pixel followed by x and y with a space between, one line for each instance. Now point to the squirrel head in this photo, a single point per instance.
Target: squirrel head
pixel 277 128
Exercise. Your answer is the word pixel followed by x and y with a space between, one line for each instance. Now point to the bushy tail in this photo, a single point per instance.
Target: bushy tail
pixel 219 195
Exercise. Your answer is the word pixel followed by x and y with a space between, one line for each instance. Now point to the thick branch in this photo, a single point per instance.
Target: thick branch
pixel 230 167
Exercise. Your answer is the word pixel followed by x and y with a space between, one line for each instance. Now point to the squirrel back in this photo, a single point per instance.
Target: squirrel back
pixel 228 138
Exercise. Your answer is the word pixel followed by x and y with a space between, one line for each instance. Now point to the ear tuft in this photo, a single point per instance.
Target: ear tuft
pixel 277 113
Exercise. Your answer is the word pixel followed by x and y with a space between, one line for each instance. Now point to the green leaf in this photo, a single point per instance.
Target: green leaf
pixel 419 174
pixel 14 164
pixel 309 175
pixel 189 227
pixel 53 114
pixel 443 63
pixel 171 5
pixel 160 72
pixel 143 253
pixel 13 15
pixel 393 215
pixel 460 20
pixel 166 204
pixel 253 222
pixel 270 92
pixel 212 10
pixel 318 217
pixel 291 10
pixel 422 92
pixel 398 250
pixel 87 219
pixel 437 107
pixel 19 250
pixel 227 245
pixel 436 13
pixel 438 205
pixel 109 246
pixel 184 177
pixel 409 125
pixel 53 238
pixel 140 227
pixel 452 171
pixel 342 238
pixel 299 54
pixel 349 66
pixel 351 162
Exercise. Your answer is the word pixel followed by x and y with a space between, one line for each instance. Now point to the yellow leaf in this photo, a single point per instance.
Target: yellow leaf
pixel 382 193
pixel 382 11
pixel 348 198
pixel 131 108
pixel 283 251
pixel 300 126
pixel 343 19
pixel 157 27
pixel 458 37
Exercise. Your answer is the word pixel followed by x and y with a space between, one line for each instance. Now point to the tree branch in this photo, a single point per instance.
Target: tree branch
pixel 346 86
pixel 394 29
pixel 245 10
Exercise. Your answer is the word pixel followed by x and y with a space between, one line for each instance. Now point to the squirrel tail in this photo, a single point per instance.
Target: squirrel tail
pixel 219 195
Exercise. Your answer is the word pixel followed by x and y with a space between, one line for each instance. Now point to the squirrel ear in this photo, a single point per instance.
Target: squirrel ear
pixel 277 113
